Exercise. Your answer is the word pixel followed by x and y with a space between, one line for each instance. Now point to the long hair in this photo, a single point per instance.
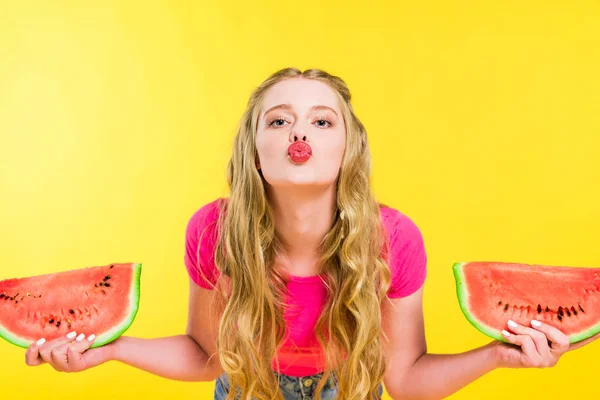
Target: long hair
pixel 356 271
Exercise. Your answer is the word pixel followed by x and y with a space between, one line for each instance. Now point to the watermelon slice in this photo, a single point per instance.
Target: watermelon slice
pixel 491 293
pixel 100 300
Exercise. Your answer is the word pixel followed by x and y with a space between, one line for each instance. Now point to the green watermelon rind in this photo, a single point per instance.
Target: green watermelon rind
pixel 18 341
pixel 463 300
pixel 494 333
pixel 134 305
pixel 107 337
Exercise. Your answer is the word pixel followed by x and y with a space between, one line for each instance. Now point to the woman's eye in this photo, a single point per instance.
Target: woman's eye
pixel 277 120
pixel 327 122
pixel 321 122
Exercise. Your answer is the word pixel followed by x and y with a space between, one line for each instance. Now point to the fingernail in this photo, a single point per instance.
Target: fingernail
pixel 80 337
pixel 40 342
pixel 536 323
pixel 505 333
pixel 91 337
pixel 72 335
pixel 512 324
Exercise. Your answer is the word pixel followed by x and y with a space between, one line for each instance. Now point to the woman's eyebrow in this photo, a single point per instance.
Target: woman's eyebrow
pixel 289 107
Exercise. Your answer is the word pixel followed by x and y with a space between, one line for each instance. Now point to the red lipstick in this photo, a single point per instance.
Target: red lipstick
pixel 299 152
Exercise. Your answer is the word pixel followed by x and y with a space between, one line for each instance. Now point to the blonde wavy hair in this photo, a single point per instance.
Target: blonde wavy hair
pixel 356 274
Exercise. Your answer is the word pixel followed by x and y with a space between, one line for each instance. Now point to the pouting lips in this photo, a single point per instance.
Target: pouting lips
pixel 299 151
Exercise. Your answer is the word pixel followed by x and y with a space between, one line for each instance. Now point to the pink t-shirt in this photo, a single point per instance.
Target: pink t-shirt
pixel 301 353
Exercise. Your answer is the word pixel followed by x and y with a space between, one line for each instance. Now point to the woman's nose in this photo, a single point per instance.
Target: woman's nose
pixel 297 134
pixel 295 137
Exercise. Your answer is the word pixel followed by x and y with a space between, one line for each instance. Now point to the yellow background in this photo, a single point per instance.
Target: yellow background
pixel 116 120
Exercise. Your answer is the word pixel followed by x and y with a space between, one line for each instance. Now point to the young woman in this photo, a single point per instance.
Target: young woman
pixel 301 284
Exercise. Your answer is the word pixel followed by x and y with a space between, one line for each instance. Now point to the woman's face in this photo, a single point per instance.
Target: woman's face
pixel 300 110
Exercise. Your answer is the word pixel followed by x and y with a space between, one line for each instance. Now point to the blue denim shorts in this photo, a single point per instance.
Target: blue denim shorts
pixel 292 387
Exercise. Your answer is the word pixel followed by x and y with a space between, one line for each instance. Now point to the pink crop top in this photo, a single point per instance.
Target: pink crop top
pixel 301 353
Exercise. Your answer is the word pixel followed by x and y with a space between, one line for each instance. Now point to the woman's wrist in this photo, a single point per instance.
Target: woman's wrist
pixel 495 356
pixel 110 351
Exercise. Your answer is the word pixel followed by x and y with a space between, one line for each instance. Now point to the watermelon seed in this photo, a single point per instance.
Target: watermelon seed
pixel 539 309
pixel 95 285
pixel 580 308
pixel 560 311
pixel 101 284
pixel 547 309
pixel 500 303
pixel 506 307
pixel 71 311
pixel 573 310
pixel 2 296
pixel 16 302
pixel 51 320
pixel 107 284
pixel 107 277
pixel 559 318
pixel 58 324
pixel 111 266
pixel 103 292
pixel 568 312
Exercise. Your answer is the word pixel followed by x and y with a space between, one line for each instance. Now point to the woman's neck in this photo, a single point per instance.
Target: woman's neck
pixel 302 218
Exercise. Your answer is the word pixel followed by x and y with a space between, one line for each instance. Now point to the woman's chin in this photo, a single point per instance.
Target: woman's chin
pixel 298 181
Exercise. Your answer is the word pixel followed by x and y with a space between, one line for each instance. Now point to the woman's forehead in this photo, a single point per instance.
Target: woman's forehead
pixel 301 95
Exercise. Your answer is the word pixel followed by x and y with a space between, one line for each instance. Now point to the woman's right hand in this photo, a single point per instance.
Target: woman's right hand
pixel 67 353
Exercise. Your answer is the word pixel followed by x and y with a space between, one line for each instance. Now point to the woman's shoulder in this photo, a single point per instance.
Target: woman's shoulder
pixel 207 213
pixel 200 242
pixel 397 223
pixel 405 252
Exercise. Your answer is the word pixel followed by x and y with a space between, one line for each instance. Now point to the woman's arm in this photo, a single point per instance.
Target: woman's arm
pixel 412 373
pixel 436 376
pixel 183 357
pixel 176 357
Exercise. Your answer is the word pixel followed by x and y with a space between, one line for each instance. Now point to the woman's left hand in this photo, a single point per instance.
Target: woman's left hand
pixel 538 346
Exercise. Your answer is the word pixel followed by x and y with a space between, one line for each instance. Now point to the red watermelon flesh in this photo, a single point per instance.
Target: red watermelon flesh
pixel 99 300
pixel 491 293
